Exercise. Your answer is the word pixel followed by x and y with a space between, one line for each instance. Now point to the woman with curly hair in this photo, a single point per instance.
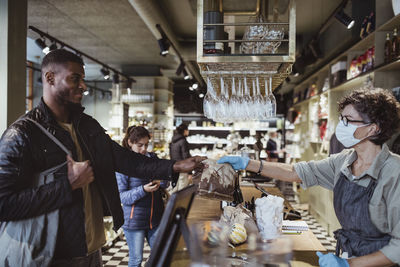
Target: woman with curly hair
pixel 365 180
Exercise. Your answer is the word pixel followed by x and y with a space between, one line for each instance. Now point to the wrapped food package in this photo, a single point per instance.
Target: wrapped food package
pixel 241 215
pixel 216 182
pixel 269 215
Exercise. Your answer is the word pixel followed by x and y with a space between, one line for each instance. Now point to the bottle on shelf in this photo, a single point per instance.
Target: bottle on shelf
pixel 370 24
pixel 363 32
pixel 395 45
pixel 388 49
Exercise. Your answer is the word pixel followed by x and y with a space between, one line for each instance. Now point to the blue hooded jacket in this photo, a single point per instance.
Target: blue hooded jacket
pixel 142 210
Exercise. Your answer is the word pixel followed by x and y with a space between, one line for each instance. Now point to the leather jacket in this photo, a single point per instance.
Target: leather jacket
pixel 26 150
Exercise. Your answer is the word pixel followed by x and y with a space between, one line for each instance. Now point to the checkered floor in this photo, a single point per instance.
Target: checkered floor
pixel 327 241
pixel 118 254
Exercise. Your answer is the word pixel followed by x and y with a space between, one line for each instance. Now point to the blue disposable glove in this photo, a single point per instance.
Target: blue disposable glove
pixel 331 260
pixel 238 163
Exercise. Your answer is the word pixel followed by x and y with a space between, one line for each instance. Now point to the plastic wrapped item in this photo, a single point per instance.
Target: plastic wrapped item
pixel 241 215
pixel 216 181
pixel 269 214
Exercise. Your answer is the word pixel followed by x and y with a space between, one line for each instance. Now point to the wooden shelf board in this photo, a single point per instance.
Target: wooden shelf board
pixel 390 25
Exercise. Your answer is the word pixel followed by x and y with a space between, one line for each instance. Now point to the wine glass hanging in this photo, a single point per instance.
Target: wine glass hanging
pixel 239 99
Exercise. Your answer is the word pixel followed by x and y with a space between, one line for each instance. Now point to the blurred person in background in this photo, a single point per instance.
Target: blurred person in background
pixel 179 150
pixel 141 199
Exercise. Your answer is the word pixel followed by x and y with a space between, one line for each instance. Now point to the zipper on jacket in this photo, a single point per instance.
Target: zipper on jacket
pixel 132 209
pixel 151 211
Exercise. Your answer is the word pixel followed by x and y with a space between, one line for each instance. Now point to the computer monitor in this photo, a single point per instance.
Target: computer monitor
pixel 172 225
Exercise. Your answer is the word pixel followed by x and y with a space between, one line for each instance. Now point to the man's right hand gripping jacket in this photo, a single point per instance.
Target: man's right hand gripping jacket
pixel 238 163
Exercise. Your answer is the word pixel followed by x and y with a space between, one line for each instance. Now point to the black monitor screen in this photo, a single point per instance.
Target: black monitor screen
pixel 169 231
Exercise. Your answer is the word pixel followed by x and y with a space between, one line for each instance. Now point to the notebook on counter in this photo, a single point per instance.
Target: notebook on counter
pixel 294 225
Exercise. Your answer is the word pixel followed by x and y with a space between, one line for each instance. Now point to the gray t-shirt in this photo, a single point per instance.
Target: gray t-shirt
pixel 384 206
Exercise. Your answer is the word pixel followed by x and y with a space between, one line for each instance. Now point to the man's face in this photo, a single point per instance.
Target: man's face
pixel 68 85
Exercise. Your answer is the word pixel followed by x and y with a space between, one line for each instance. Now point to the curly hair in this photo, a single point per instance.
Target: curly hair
pixel 134 134
pixel 376 105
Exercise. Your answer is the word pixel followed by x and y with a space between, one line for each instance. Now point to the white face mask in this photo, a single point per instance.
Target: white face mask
pixel 345 134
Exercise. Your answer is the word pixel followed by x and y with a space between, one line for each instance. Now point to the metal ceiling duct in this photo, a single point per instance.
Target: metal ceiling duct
pixel 151 14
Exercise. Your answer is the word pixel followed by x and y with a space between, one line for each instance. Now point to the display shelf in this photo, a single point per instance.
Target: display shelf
pixel 216 142
pixel 390 24
pixel 200 128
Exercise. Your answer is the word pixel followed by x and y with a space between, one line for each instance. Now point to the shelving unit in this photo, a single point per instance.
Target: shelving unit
pixel 149 100
pixel 276 65
pixel 384 75
pixel 213 140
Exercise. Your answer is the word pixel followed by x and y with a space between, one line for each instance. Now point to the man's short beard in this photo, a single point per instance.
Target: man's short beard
pixel 73 106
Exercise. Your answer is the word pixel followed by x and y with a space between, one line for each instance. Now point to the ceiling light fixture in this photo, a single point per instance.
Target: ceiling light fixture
pixel 345 19
pixel 129 83
pixel 186 75
pixel 195 86
pixel 115 78
pixel 53 46
pixel 164 46
pixel 191 88
pixel 201 95
pixel 180 68
pixel 86 92
pixel 106 73
pixel 41 43
pixel 56 42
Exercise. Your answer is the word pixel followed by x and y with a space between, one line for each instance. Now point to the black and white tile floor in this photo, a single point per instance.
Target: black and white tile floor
pixel 118 254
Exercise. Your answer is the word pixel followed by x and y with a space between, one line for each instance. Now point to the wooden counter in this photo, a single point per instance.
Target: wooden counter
pixel 305 244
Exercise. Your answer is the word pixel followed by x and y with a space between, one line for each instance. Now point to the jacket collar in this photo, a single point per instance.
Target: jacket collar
pixel 45 114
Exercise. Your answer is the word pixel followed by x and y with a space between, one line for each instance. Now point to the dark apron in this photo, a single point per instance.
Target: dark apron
pixel 358 236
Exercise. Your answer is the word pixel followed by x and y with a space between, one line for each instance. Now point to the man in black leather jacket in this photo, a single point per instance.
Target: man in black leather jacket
pixel 89 176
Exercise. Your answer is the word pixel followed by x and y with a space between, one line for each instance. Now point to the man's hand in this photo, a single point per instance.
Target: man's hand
pixel 79 173
pixel 237 163
pixel 189 164
pixel 152 186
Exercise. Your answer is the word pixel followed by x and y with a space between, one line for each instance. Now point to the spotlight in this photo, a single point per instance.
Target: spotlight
pixel 180 68
pixel 115 78
pixel 41 43
pixel 129 83
pixel 186 75
pixel 201 95
pixel 53 46
pixel 164 46
pixel 345 19
pixel 191 88
pixel 106 73
pixel 195 86
pixel 295 70
pixel 86 92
